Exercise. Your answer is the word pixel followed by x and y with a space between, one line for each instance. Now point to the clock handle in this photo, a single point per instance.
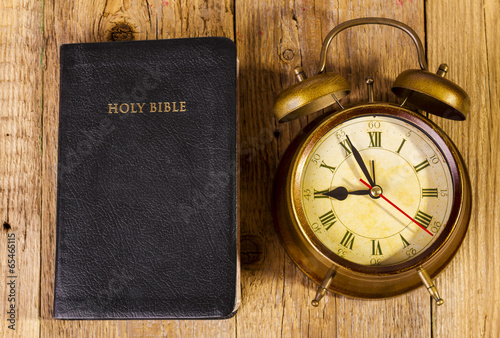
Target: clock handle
pixel 371 21
pixel 429 284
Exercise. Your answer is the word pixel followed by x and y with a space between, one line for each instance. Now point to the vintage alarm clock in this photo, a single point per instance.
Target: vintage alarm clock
pixel 372 200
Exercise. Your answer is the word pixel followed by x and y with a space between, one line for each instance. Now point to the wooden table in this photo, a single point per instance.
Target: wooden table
pixel 272 38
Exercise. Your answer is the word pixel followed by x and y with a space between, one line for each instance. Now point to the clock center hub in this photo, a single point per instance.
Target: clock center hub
pixel 376 191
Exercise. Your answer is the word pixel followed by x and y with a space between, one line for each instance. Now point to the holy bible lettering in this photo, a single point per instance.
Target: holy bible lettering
pixel 150 107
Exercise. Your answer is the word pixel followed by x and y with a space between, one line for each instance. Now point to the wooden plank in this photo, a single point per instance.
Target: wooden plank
pixel 272 40
pixel 491 323
pixel 465 38
pixel 112 20
pixel 20 166
pixel 262 273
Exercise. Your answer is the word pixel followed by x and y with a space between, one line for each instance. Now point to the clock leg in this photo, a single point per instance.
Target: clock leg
pixel 325 284
pixel 429 284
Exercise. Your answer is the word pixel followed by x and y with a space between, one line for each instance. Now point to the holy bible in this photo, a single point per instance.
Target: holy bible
pixel 147 181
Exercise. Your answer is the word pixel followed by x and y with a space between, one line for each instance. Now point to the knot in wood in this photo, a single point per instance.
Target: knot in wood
pixel 252 251
pixel 288 54
pixel 122 31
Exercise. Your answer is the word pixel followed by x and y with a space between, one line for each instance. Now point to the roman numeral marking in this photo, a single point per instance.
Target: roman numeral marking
pixel 422 165
pixel 319 194
pixel 347 240
pixel 405 242
pixel 376 250
pixel 328 219
pixel 375 138
pixel 430 192
pixel 422 218
pixel 347 147
pixel 401 145
pixel 324 165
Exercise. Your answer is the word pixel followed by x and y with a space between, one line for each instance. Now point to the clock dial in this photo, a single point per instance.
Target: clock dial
pixel 406 167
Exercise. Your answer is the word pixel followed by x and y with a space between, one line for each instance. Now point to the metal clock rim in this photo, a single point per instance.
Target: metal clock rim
pixel 427 128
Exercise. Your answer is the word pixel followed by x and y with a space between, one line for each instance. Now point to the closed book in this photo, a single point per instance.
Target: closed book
pixel 147 181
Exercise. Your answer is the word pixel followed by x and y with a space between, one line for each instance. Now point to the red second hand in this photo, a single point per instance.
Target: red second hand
pixel 395 206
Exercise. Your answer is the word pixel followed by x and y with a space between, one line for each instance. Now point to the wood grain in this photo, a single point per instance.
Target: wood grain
pixel 20 164
pixel 471 283
pixel 272 38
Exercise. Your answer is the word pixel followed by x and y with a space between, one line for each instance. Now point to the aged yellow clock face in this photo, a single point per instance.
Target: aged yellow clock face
pixel 411 174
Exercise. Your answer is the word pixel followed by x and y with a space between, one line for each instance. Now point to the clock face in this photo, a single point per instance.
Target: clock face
pixel 409 171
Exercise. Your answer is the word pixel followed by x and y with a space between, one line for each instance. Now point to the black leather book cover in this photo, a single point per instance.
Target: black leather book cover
pixel 147 180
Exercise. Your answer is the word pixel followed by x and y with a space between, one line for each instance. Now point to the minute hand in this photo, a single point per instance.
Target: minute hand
pixel 361 164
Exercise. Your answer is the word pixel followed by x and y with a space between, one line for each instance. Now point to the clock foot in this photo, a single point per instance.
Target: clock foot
pixel 325 284
pixel 429 284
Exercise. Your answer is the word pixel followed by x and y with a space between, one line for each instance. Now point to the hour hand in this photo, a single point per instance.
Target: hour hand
pixel 341 193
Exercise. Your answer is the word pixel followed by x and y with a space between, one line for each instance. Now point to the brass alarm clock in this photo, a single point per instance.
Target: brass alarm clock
pixel 374 199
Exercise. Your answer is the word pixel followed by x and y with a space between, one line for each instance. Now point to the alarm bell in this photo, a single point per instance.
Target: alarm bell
pixel 433 93
pixel 423 89
pixel 310 95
